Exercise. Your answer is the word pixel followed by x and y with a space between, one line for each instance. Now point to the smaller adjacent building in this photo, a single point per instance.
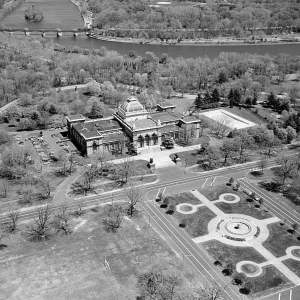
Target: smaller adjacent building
pixel 133 125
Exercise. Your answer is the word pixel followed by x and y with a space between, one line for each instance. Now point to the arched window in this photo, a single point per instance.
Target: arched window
pixel 141 141
pixel 147 139
pixel 154 139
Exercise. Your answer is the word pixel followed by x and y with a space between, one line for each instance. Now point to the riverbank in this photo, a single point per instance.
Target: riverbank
pixel 9 7
pixel 295 39
pixel 86 15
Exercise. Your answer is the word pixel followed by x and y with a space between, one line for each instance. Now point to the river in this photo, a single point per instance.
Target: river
pixel 65 15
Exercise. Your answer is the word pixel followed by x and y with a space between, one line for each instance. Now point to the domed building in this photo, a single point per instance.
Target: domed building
pixel 131 124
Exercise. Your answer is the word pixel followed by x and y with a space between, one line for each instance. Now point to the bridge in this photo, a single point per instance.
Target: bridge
pixel 43 31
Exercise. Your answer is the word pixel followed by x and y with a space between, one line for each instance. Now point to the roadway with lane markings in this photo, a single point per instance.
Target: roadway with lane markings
pixel 30 213
pixel 279 209
pixel 197 257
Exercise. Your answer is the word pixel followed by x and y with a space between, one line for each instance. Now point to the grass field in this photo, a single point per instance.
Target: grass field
pixel 271 279
pixel 73 267
pixel 227 254
pixel 293 265
pixel 196 224
pixel 182 198
pixel 280 239
pixel 241 207
pixel 244 207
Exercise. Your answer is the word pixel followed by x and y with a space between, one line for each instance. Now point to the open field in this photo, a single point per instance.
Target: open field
pixel 279 239
pixel 227 254
pixel 293 264
pixel 271 279
pixel 182 198
pixel 196 224
pixel 89 263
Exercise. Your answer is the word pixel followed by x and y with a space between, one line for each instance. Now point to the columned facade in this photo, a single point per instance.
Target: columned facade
pixel 130 124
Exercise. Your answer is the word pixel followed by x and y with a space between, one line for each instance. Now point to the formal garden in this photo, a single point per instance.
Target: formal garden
pixel 257 250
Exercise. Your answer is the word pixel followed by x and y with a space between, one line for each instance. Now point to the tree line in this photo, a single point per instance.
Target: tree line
pixel 213 17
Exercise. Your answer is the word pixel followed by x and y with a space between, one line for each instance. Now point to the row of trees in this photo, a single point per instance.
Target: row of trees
pixel 248 74
pixel 45 224
pixel 213 17
pixel 237 145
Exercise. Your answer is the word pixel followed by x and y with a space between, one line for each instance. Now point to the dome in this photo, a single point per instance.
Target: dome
pixel 132 105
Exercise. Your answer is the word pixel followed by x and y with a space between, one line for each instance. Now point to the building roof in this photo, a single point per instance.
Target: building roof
pixel 97 128
pixel 75 117
pixel 165 105
pixel 292 77
pixel 132 105
pixel 140 124
pixel 190 119
pixel 114 136
pixel 165 117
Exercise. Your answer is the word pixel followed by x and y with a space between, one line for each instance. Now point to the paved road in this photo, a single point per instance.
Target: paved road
pixel 196 256
pixel 181 180
pixel 278 208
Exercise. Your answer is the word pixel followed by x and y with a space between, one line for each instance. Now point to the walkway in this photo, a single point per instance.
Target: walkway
pixel 216 231
pixel 161 158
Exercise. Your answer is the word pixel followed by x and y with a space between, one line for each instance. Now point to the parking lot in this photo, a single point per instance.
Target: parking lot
pixel 48 144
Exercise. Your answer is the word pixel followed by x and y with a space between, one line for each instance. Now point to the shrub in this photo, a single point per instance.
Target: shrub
pixel 244 291
pixel 227 272
pixel 170 210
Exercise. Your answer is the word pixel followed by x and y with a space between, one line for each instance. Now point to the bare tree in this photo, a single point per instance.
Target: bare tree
pixel 262 164
pixel 228 149
pixel 287 168
pixel 208 293
pixel 40 229
pixel 134 196
pixel 156 285
pixel 4 188
pixel 113 217
pixel 71 162
pixel 13 219
pixel 45 189
pixel 85 184
pixel 124 170
pixel 62 220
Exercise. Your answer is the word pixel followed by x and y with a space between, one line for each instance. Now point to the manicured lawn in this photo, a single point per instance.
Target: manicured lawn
pixel 280 239
pixel 227 254
pixel 73 266
pixel 190 157
pixel 294 265
pixel 196 224
pixel 185 197
pixel 140 167
pixel 241 207
pixel 214 192
pixel 244 207
pixel 271 279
